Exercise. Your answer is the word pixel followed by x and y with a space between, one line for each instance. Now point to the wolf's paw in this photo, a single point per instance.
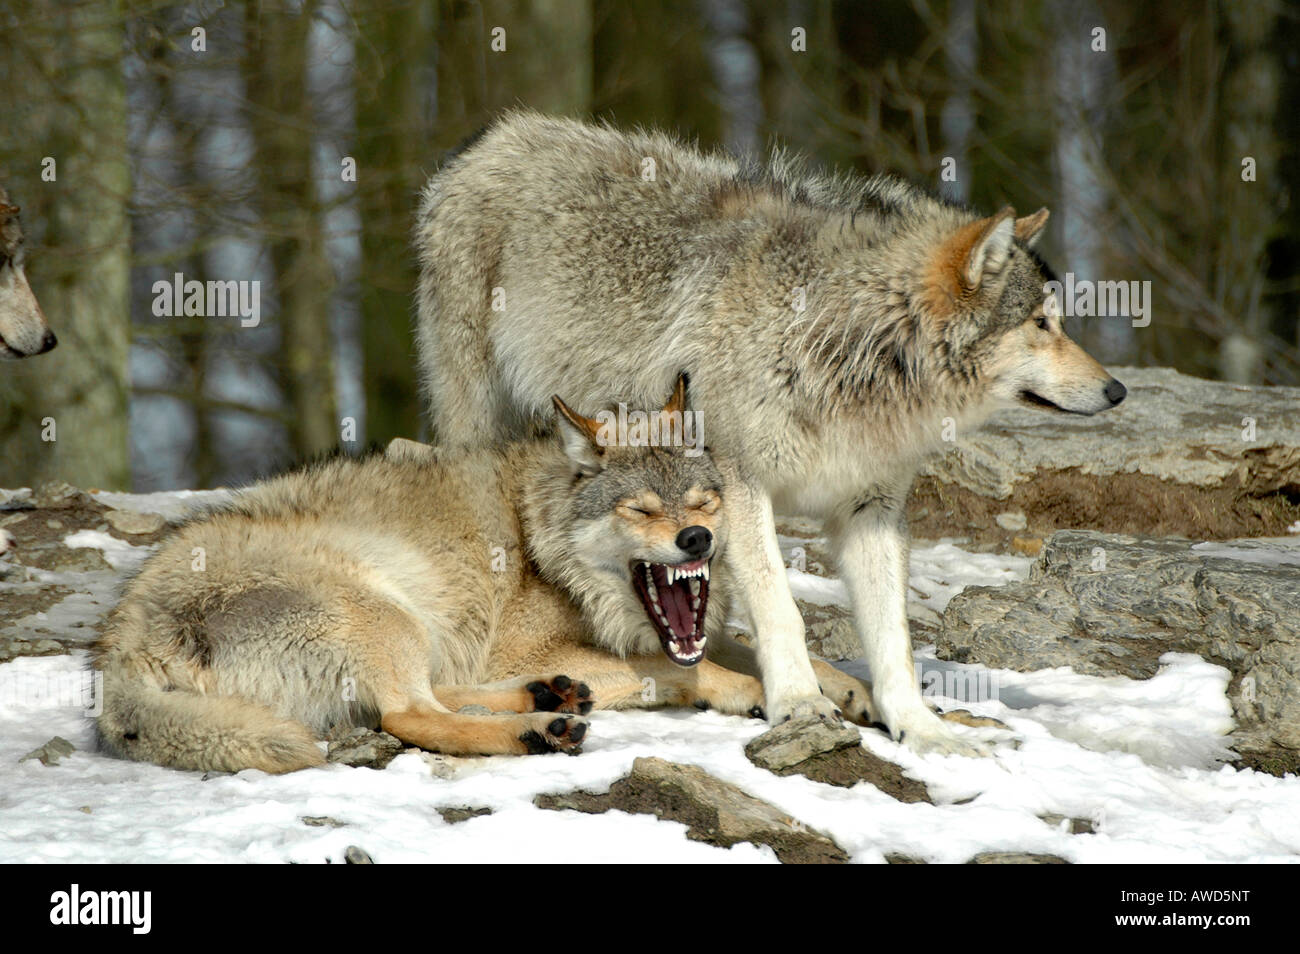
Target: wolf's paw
pixel 561 694
pixel 783 710
pixel 852 696
pixel 924 733
pixel 560 734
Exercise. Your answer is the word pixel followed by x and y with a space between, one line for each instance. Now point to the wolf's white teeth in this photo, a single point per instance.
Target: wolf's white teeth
pixel 705 571
pixel 701 641
pixel 672 575
pixel 695 592
pixel 675 647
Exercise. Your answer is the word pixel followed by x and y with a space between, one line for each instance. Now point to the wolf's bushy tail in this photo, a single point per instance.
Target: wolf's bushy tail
pixel 189 730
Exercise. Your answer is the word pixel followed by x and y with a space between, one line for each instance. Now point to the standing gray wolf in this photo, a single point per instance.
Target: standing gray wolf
pixel 23 330
pixel 833 329
pixel 397 589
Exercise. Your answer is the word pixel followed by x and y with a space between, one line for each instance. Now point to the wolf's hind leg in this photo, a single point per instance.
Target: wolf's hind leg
pixel 524 694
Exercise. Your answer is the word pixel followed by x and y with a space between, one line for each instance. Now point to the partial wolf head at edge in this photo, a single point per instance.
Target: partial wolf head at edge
pixel 24 332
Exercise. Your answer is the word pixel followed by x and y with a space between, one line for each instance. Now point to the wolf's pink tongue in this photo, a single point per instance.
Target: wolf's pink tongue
pixel 676 605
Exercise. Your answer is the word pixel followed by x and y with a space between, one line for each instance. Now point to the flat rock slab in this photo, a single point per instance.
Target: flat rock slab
pixel 1107 604
pixel 714 811
pixel 831 753
pixel 1181 455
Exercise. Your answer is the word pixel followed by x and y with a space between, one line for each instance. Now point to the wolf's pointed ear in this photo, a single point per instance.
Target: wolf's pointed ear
pixel 678 402
pixel 580 438
pixel 990 247
pixel 1030 229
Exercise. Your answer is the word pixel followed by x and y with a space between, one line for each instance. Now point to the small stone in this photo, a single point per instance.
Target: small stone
pixel 364 747
pixel 1078 826
pixel 322 821
pixel 1014 520
pixel 54 524
pixel 58 495
pixel 51 752
pixel 824 752
pixel 357 856
pixel 17 499
pixel 798 740
pixel 457 814
pixel 85 808
pixel 131 522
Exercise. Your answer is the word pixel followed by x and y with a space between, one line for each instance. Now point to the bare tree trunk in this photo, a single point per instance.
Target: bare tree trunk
pixel 281 119
pixel 61 65
pixel 737 72
pixel 1083 79
pixel 957 120
pixel 1250 208
pixel 394 72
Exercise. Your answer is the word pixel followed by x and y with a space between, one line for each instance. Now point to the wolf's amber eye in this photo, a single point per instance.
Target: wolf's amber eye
pixel 1041 321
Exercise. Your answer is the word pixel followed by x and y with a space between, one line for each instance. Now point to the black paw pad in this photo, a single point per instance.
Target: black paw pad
pixel 758 713
pixel 577 733
pixel 557 726
pixel 702 705
pixel 585 707
pixel 535 743
pixel 562 683
pixel 544 700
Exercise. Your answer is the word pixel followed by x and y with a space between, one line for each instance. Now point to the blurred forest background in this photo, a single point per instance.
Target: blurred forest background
pixel 212 139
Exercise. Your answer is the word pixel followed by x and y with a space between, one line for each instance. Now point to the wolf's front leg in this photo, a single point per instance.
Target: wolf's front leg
pixel 524 694
pixel 754 558
pixel 871 549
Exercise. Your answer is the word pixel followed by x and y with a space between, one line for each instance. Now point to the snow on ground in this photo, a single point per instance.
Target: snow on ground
pixel 1137 758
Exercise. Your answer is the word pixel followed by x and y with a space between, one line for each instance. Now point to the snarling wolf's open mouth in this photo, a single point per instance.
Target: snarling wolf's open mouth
pixel 675 598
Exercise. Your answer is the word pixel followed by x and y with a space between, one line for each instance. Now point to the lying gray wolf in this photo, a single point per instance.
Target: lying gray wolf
pixel 396 589
pixel 833 329
pixel 23 329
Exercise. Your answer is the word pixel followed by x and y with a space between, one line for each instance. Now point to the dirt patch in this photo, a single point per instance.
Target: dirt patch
pixel 44 529
pixel 1116 503
pixel 17 605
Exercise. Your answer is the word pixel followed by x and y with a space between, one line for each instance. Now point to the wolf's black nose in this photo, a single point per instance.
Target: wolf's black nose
pixel 695 540
pixel 48 342
pixel 1115 392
